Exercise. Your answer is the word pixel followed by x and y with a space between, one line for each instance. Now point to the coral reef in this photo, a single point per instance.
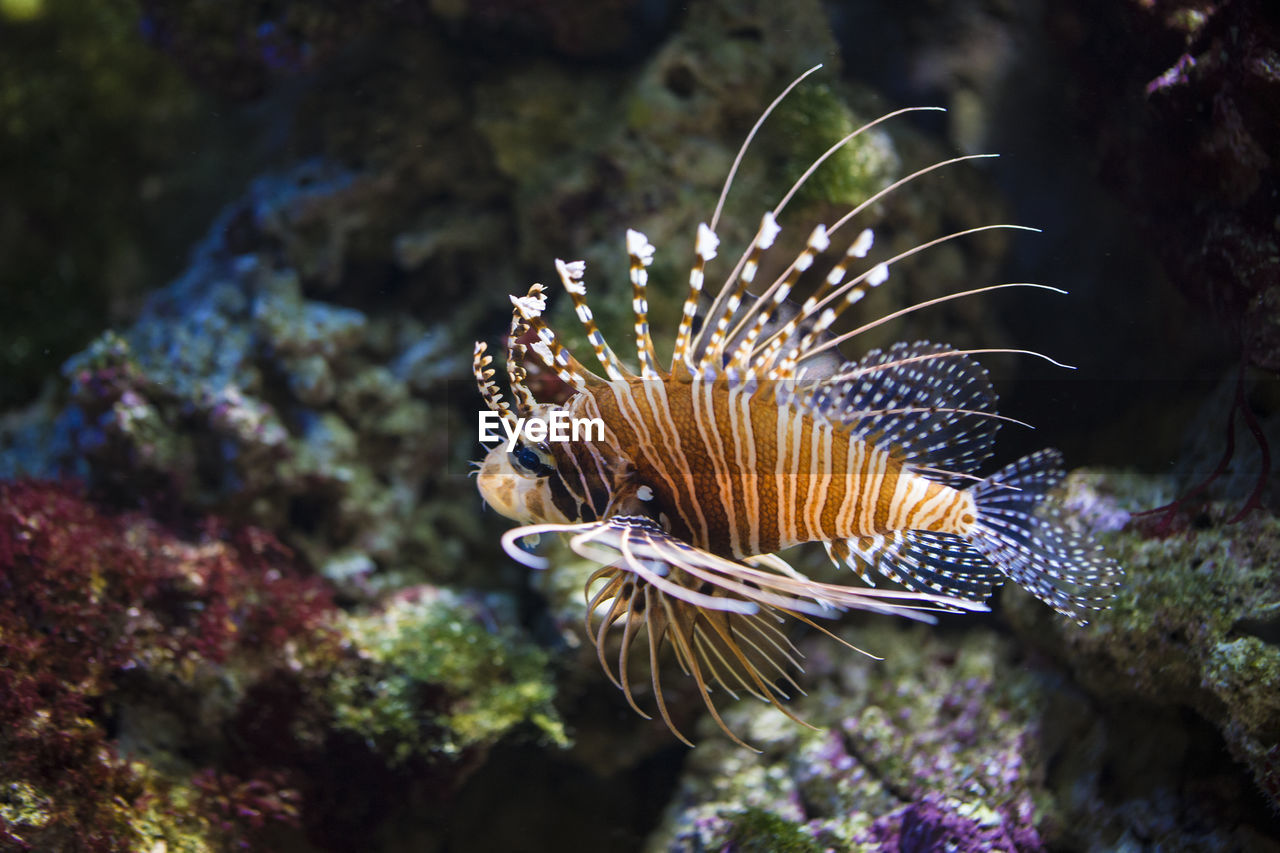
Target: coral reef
pixel 234 393
pixel 193 690
pixel 91 606
pixel 934 744
pixel 1194 626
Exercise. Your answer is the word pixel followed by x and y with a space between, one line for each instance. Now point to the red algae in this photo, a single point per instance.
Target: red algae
pixel 88 597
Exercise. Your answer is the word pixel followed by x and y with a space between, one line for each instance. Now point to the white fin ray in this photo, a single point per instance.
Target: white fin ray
pixel 730 298
pixel 636 544
pixel 751 135
pixel 854 290
pixel 526 315
pixel 858 247
pixel 836 340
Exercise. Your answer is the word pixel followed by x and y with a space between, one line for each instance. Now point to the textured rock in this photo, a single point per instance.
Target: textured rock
pixel 1194 625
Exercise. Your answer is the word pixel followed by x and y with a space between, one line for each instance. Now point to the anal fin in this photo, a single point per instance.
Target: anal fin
pixel 920 560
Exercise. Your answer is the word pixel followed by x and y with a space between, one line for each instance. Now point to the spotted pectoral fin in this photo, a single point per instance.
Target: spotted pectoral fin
pixel 638 545
pixel 1029 542
pixel 721 617
pixel 934 405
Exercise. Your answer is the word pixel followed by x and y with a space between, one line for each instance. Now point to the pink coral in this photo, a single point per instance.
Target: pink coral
pixel 86 596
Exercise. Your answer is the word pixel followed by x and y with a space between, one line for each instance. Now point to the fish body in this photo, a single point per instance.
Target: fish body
pixel 758 437
pixel 743 475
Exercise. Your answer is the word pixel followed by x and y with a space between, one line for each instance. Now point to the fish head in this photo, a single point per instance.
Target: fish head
pixel 517 483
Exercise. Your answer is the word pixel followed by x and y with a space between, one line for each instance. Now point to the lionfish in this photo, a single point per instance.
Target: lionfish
pixel 758 438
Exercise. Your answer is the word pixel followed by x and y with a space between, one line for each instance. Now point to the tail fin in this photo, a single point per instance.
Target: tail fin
pixel 1065 569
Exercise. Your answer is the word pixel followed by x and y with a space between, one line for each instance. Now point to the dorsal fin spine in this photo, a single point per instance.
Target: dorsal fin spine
pixel 736 287
pixel 488 388
pixel 817 243
pixel 571 277
pixel 641 252
pixel 527 314
pixel 704 251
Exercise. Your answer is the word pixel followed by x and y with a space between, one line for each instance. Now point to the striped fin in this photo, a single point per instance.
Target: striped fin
pixel 729 300
pixel 704 251
pixel 851 292
pixel 641 251
pixel 720 616
pixel 527 314
pixel 652 554
pixel 734 652
pixel 821 365
pixel 765 307
pixel 571 276
pixel 1064 568
pixel 483 373
pixel 770 352
pixel 933 402
pixel 860 555
pixel 708 242
pixel 523 309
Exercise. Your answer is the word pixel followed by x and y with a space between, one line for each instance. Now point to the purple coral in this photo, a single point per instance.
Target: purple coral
pixel 934 823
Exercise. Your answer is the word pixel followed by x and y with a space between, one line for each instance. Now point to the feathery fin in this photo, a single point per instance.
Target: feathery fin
pixel 1064 568
pixel 938 563
pixel 928 399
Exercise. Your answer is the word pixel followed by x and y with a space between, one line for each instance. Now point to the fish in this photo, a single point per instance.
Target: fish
pixel 759 436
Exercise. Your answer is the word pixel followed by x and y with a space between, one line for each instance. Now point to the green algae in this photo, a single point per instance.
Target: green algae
pixel 760 831
pixel 252 400
pixel 21 10
pixel 25 807
pixel 162 818
pixel 169 822
pixel 811 120
pixel 439 681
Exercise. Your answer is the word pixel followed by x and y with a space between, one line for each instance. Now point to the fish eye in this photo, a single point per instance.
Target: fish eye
pixel 531 461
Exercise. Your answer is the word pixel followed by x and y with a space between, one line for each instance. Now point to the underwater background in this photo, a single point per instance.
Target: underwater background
pixel 249 596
